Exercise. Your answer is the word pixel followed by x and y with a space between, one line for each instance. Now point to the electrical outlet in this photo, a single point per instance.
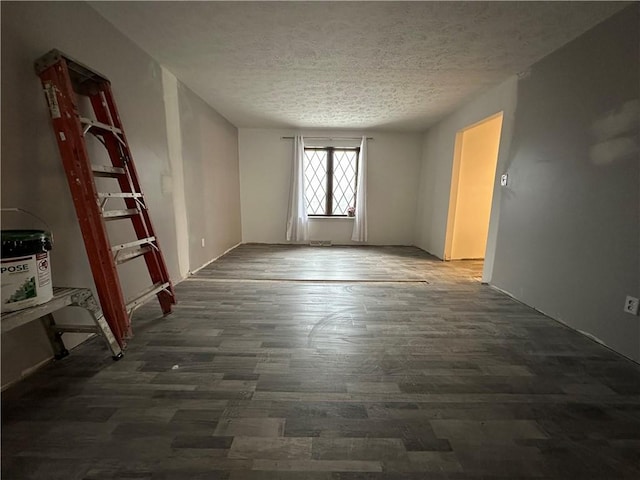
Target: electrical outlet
pixel 203 242
pixel 631 305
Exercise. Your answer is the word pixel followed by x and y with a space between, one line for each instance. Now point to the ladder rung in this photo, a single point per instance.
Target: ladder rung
pixel 118 195
pixel 123 257
pixel 117 214
pixel 146 295
pixel 98 125
pixel 136 243
pixel 107 171
pixel 76 329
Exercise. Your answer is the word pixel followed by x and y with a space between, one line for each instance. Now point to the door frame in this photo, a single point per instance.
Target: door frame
pixel 455 180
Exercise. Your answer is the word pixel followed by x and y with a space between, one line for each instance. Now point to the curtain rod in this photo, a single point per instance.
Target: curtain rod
pixel 329 138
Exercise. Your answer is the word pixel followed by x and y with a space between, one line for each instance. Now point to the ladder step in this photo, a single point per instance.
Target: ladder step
pixel 118 195
pixel 117 214
pixel 107 171
pixel 146 295
pixel 122 246
pixel 101 127
pixel 77 329
pixel 122 257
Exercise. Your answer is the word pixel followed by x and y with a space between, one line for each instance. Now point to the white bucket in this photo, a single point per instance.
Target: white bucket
pixel 25 269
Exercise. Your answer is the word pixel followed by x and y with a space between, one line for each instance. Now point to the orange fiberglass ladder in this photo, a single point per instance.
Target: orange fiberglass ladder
pixel 64 80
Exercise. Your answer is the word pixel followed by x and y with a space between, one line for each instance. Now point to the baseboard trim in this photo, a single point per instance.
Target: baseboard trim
pixel 588 335
pixel 193 272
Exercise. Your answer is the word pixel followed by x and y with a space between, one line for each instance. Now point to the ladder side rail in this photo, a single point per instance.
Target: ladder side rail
pixel 103 106
pixel 68 131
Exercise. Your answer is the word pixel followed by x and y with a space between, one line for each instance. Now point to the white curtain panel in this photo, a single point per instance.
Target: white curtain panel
pixel 297 219
pixel 360 232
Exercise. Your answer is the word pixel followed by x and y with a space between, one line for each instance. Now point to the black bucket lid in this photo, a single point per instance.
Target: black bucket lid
pixel 24 242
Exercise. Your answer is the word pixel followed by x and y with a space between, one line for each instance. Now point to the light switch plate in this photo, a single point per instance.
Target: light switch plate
pixel 504 179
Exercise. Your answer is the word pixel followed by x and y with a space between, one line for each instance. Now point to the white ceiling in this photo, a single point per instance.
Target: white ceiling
pixel 347 65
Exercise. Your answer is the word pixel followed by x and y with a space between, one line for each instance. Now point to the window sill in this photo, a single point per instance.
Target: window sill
pixel 330 217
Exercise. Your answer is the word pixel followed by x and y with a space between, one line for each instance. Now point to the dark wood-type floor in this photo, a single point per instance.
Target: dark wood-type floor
pixel 264 372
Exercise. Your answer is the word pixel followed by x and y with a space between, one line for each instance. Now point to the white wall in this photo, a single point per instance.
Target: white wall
pixel 265 172
pixel 475 184
pixel 437 164
pixel 564 234
pixel 212 179
pixel 32 173
pixel 174 182
pixel 569 227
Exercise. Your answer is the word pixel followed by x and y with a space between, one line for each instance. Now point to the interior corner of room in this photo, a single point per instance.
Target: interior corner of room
pixel 562 235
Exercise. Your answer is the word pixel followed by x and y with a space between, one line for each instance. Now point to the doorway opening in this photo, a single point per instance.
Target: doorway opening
pixel 472 184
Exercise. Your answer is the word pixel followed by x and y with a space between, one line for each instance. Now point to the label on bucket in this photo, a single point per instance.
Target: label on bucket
pixel 26 281
pixel 44 275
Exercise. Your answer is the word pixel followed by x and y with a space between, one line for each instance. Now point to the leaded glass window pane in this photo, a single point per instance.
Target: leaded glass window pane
pixel 330 180
pixel 315 173
pixel 344 180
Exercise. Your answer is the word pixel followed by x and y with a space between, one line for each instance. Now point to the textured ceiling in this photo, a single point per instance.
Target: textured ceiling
pixel 380 65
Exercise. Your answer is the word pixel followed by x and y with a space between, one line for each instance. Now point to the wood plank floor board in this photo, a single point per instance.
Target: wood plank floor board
pixel 331 363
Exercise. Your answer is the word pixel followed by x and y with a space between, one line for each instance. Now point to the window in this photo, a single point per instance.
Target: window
pixel 330 180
